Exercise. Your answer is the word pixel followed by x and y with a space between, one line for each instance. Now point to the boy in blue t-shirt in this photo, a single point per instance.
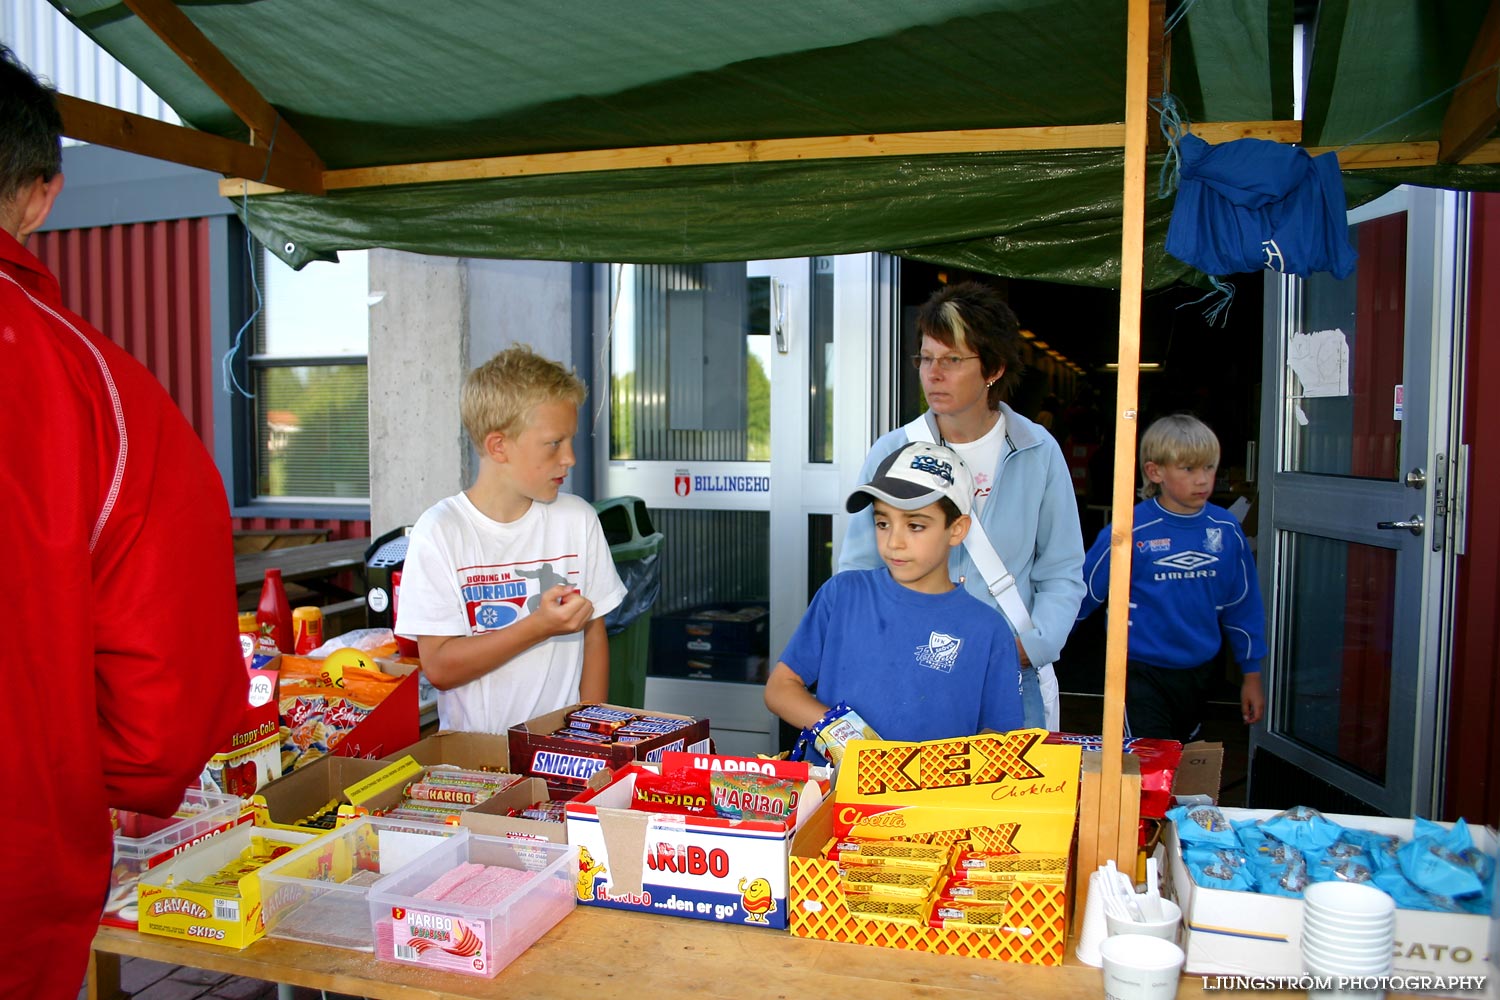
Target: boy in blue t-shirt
pixel 914 655
pixel 1192 582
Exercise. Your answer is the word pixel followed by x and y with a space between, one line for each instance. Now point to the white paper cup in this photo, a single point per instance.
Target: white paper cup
pixel 1337 925
pixel 1348 899
pixel 1348 963
pixel 1318 965
pixel 1166 927
pixel 1352 942
pixel 1093 930
pixel 1140 967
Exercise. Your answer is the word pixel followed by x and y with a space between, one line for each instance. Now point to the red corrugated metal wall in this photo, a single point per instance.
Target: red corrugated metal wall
pixel 146 286
pixel 1473 772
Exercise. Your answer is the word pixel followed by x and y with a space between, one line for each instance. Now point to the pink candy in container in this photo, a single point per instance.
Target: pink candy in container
pixel 473 904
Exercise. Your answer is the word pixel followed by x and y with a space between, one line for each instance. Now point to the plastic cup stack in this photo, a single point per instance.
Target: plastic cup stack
pixel 1348 932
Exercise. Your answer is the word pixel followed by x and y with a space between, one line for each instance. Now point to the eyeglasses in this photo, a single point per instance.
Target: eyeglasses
pixel 947 363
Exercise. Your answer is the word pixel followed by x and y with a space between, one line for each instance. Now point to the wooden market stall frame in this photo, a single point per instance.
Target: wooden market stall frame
pixel 277 159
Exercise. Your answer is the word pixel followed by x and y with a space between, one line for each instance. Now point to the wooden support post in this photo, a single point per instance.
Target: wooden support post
pixel 1092 851
pixel 1132 261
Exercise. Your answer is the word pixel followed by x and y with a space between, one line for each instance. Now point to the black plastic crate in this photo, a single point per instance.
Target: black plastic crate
pixel 747 668
pixel 712 628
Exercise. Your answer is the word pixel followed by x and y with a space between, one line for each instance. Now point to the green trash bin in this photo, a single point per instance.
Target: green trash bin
pixel 636 548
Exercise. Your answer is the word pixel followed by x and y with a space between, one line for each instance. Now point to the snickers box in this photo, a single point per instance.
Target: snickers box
pixel 566 763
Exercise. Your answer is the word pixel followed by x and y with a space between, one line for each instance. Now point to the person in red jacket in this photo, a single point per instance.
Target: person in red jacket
pixel 121 667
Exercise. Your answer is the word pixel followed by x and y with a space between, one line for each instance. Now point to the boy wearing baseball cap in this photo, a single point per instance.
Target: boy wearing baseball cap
pixel 902 651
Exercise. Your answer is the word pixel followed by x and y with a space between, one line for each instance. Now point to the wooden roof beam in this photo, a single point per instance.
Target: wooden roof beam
pixel 213 68
pixel 1040 138
pixel 1474 112
pixel 90 122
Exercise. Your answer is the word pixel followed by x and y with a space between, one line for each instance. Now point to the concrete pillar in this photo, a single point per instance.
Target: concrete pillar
pixel 438 318
pixel 419 354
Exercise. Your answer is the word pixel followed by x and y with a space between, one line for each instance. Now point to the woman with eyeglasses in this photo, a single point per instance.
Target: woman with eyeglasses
pixel 970 360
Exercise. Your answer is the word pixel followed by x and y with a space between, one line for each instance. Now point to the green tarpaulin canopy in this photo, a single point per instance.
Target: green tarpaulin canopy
pixel 380 82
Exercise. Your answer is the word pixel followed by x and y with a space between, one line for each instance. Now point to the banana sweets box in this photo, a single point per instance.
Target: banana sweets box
pixel 190 897
pixel 998 793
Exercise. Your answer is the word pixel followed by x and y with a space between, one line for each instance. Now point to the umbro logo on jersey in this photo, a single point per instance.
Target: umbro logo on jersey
pixel 1186 561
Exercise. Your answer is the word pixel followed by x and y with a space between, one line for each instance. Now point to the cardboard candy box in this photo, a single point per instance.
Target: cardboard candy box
pixel 1001 793
pixel 173 904
pixel 707 868
pixel 536 751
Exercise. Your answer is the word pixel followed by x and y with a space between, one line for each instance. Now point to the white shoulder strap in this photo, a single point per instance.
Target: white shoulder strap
pixel 998 579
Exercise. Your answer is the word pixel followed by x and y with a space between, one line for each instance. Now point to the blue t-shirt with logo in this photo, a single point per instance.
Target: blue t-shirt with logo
pixel 1192 584
pixel 915 666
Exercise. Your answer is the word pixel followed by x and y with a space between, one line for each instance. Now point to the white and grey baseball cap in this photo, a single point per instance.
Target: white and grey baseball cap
pixel 915 476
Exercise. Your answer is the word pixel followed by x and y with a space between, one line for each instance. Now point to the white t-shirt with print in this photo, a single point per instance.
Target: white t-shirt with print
pixel 982 456
pixel 467 574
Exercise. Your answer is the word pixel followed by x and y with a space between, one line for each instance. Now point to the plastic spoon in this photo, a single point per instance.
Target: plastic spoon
pixel 1152 904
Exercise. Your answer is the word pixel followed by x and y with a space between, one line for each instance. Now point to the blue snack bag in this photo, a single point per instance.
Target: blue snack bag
pixel 1435 863
pixel 1304 828
pixel 1380 848
pixel 1281 870
pixel 1203 826
pixel 1406 895
pixel 1253 840
pixel 1224 868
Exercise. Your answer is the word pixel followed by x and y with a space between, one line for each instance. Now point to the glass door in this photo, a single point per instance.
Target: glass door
pixel 738 408
pixel 1359 478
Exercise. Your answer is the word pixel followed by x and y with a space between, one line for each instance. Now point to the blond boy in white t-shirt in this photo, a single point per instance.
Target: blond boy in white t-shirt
pixel 506 584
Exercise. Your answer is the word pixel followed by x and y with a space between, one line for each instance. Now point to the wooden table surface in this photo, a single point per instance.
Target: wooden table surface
pixel 603 954
pixel 301 562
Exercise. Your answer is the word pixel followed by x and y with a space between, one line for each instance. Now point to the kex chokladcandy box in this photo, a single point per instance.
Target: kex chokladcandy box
pixel 999 793
pixel 732 871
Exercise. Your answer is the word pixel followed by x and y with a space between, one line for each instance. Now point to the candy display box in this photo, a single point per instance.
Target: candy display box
pixel 291 801
pixel 1004 793
pixel 319 893
pixel 393 723
pixel 489 817
pixel 474 939
pixel 1247 933
pixel 142 842
pixel 479 751
pixel 688 866
pixel 173 905
pixel 251 757
pixel 566 765
pixel 491 752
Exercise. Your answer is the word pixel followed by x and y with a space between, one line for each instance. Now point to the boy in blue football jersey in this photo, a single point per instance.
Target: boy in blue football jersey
pixel 914 655
pixel 1192 583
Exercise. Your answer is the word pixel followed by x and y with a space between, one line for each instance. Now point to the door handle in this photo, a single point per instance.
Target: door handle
pixel 1415 525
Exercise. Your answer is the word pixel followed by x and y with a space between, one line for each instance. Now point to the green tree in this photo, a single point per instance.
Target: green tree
pixel 757 411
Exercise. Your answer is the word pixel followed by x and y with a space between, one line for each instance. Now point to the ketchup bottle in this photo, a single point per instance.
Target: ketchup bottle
pixel 275 613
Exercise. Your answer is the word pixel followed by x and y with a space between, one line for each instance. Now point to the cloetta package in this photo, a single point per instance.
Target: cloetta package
pixel 1006 800
pixel 1241 894
pixel 691 864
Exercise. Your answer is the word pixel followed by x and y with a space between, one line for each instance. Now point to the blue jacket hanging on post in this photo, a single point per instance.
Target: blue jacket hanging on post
pixel 1252 204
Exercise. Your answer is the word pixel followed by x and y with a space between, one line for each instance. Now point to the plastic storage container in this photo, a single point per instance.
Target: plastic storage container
pixel 733 628
pixel 635 547
pixel 142 840
pixel 320 893
pixel 478 940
